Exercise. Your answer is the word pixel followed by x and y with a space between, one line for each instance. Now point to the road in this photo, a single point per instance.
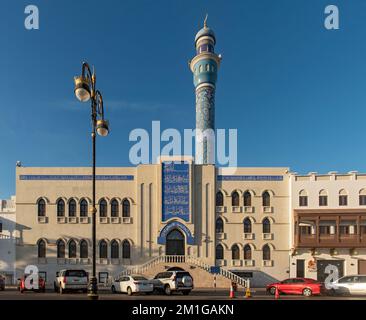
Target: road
pixel 196 294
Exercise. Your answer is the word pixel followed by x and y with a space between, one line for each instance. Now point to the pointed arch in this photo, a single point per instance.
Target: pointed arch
pixel 114 249
pixel 61 248
pixel 219 225
pixel 219 252
pixel 235 199
pixel 84 248
pixel 126 208
pixel 247 252
pixel 41 244
pixel 247 223
pixel 266 199
pixel 219 199
pixel 126 249
pixel 235 252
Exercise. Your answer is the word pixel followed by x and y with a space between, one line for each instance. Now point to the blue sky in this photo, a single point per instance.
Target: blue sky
pixel 295 91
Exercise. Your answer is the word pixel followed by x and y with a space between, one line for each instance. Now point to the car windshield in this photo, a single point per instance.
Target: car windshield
pixel 75 273
pixel 138 278
pixel 183 274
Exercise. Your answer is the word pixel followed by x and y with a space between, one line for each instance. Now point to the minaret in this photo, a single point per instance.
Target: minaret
pixel 204 67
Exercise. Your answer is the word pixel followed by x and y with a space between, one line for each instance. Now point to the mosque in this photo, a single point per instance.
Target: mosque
pixel 259 223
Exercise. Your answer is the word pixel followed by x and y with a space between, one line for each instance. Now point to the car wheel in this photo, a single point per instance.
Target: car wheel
pixel 186 292
pixel 307 292
pixel 113 289
pixel 129 291
pixel 272 291
pixel 167 290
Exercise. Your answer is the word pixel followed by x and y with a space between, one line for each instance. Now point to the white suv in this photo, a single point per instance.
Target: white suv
pixel 71 280
pixel 173 281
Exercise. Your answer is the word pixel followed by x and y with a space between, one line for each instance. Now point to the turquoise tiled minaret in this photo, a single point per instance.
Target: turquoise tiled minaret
pixel 204 67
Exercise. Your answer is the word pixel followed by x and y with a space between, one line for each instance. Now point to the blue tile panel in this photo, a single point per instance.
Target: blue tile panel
pixel 175 187
pixel 62 177
pixel 249 178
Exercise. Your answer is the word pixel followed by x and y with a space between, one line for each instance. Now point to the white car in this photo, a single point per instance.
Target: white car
pixel 67 280
pixel 173 281
pixel 132 284
pixel 354 285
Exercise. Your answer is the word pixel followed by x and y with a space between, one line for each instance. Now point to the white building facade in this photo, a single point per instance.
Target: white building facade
pixel 329 224
pixel 8 238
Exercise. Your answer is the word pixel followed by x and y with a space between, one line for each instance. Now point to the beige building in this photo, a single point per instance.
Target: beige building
pixel 329 224
pixel 194 213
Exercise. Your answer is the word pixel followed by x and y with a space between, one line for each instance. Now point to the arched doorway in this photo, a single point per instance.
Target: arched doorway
pixel 175 243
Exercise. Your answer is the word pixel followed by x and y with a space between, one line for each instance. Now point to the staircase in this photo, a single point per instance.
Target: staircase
pixel 143 268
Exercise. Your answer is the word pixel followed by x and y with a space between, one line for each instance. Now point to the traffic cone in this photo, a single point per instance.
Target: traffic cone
pixel 277 294
pixel 232 293
pixel 247 293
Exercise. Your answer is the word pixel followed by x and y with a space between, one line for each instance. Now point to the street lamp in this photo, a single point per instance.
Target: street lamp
pixel 84 91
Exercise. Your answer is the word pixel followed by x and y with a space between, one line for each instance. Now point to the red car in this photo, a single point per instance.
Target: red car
pixel 41 284
pixel 303 286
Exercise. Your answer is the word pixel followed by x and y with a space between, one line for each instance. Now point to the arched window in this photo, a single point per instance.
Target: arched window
pixel 343 197
pixel 266 199
pixel 247 252
pixel 247 225
pixel 41 208
pixel 103 249
pixel 219 252
pixel 83 249
pixel 60 208
pixel 125 208
pixel 72 249
pixel 102 208
pixel 60 248
pixel 235 199
pixel 114 208
pixel 83 208
pixel 362 197
pixel 303 198
pixel 219 199
pixel 235 253
pixel 72 208
pixel 323 198
pixel 266 225
pixel 126 249
pixel 114 250
pixel 219 225
pixel 266 252
pixel 41 249
pixel 247 199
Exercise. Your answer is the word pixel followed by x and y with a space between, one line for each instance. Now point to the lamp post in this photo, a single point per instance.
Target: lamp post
pixel 85 90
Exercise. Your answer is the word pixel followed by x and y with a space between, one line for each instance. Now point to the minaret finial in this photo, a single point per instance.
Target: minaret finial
pixel 205 21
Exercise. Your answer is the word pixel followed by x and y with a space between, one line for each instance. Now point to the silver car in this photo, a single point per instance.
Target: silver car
pixel 350 285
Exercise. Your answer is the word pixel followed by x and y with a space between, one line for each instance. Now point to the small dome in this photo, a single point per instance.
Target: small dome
pixel 205 31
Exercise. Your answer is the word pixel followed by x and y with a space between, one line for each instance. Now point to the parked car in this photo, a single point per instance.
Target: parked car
pixel 132 284
pixel 22 285
pixel 71 280
pixel 173 281
pixel 2 283
pixel 302 286
pixel 349 285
